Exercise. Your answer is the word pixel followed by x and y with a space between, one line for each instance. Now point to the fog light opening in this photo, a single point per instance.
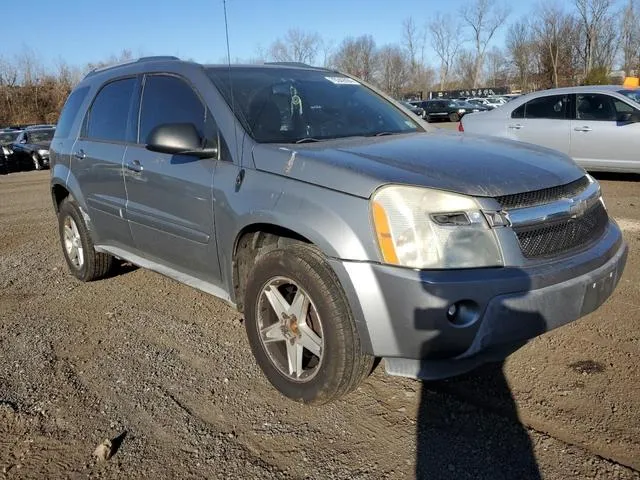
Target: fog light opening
pixel 463 313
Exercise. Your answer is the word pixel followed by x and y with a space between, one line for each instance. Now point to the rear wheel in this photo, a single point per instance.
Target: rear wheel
pixel 454 117
pixel 77 246
pixel 300 327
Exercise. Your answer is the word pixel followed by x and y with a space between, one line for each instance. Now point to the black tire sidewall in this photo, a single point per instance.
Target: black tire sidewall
pixel 328 378
pixel 68 208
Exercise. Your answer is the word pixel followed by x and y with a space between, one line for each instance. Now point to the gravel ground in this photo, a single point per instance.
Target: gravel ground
pixel 166 373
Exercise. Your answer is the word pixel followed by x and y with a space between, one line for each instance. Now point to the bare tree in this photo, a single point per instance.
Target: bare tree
pixel 521 50
pixel 327 47
pixel 296 46
pixel 413 42
pixel 393 66
pixel 465 68
pixel 497 70
pixel 483 18
pixel 630 38
pixel 593 15
pixel 357 56
pixel 552 27
pixel 446 41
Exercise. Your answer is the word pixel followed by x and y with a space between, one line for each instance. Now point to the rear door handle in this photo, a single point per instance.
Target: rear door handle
pixel 80 155
pixel 582 129
pixel 517 126
pixel 134 166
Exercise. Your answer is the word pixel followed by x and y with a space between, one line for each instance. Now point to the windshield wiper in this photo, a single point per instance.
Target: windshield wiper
pixel 382 134
pixel 307 140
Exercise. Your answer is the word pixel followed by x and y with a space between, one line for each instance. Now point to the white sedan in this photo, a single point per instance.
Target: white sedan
pixel 598 126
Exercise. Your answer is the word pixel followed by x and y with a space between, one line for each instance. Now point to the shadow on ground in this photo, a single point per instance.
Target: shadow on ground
pixel 462 440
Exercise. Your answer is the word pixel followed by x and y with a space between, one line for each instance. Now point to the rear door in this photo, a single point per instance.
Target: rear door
pixel 543 121
pixel 599 141
pixel 96 160
pixel 169 197
pixel 63 140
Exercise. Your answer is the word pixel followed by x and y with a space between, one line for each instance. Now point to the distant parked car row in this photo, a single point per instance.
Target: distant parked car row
pixel 598 126
pixel 447 109
pixel 26 148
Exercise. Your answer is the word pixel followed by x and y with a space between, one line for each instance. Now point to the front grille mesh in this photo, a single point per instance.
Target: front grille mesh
pixel 550 239
pixel 546 195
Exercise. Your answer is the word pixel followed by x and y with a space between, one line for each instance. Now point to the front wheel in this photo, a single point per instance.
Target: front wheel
pixel 300 327
pixel 36 162
pixel 454 117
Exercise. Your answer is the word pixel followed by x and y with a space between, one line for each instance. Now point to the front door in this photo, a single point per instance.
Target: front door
pixel 599 141
pixel 96 161
pixel 542 121
pixel 169 197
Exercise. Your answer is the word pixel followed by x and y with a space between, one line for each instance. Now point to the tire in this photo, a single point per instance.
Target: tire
pixel 428 119
pixel 454 117
pixel 342 365
pixel 94 265
pixel 36 161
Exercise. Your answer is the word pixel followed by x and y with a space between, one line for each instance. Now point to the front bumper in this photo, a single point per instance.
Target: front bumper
pixel 403 313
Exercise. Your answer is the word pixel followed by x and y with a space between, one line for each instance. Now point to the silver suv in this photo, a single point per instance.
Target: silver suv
pixel 338 223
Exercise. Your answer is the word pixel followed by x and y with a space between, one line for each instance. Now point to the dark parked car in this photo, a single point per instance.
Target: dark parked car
pixel 444 109
pixel 338 223
pixel 7 137
pixel 31 148
pixel 414 108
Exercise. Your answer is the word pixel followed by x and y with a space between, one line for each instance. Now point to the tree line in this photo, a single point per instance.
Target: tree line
pixel 30 93
pixel 551 46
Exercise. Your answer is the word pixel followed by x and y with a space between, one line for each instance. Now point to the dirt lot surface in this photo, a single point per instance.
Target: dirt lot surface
pixel 165 371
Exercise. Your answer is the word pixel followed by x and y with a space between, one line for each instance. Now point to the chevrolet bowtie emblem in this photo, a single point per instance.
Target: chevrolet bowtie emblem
pixel 577 208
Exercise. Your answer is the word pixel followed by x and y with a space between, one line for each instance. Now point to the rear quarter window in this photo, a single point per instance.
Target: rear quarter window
pixel 70 112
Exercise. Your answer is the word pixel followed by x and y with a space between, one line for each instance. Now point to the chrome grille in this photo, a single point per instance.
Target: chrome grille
pixel 562 236
pixel 546 195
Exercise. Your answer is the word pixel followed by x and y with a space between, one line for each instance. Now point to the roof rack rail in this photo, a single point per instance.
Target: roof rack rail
pixel 291 64
pixel 129 62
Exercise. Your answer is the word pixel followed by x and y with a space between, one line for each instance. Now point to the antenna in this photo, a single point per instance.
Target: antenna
pixel 233 103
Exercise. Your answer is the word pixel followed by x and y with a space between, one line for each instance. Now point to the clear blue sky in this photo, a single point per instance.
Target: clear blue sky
pixel 80 31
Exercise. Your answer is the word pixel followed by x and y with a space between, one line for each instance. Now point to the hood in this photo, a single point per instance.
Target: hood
pixel 461 163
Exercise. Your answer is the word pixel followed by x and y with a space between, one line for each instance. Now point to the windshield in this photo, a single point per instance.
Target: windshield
pixel 37 136
pixel 8 137
pixel 632 94
pixel 279 105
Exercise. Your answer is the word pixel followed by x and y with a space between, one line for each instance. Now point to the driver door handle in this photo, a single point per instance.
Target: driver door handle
pixel 134 166
pixel 583 129
pixel 517 126
pixel 80 155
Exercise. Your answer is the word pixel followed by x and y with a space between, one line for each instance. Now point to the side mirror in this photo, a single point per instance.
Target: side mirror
pixel 626 117
pixel 178 139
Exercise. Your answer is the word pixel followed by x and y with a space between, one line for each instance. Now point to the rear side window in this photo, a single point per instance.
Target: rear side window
pixel 110 111
pixel 168 99
pixel 551 107
pixel 70 111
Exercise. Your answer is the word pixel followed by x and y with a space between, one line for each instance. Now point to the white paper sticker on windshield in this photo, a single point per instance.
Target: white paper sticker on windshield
pixel 342 80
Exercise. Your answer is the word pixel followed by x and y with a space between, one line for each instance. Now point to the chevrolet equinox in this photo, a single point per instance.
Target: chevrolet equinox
pixel 341 226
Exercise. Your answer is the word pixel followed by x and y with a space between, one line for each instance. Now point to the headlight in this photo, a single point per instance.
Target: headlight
pixel 6 151
pixel 43 153
pixel 461 110
pixel 424 228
